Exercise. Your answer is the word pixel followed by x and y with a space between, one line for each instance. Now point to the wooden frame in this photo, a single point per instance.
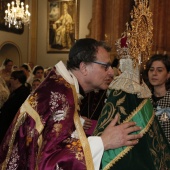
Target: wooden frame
pixel 62 21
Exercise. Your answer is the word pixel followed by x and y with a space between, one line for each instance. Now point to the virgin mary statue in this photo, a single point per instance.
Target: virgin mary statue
pixel 130 98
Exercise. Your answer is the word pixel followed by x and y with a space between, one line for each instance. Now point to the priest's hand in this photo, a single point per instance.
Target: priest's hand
pixel 87 123
pixel 115 136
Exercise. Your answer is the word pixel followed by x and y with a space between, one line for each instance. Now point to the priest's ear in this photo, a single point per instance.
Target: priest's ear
pixel 83 68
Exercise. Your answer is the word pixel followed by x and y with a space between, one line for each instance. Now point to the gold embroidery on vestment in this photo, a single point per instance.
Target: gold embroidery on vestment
pixel 143 131
pixel 81 134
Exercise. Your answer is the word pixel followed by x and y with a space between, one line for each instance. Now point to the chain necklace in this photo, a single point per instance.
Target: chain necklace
pixel 91 115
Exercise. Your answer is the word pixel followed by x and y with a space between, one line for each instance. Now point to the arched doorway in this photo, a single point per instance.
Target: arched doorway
pixel 11 51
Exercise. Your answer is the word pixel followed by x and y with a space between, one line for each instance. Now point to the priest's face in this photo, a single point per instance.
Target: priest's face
pixel 100 73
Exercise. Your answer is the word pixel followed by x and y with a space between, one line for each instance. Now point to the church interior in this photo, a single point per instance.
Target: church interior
pixel 85 84
pixel 99 19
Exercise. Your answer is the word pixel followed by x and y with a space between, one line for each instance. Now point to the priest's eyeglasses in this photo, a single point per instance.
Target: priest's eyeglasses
pixel 105 65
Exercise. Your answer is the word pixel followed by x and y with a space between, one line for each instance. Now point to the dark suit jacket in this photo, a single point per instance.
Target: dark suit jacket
pixel 10 108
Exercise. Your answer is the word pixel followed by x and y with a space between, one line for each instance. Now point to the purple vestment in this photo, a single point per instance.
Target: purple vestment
pixel 42 135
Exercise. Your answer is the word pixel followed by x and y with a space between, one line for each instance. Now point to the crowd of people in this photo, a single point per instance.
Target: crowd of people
pixel 30 71
pixel 16 84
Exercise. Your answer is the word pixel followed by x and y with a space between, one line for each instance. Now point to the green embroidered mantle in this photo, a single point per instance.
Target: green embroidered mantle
pixel 152 152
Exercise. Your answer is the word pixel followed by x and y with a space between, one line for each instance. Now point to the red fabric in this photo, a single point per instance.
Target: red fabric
pixel 123 42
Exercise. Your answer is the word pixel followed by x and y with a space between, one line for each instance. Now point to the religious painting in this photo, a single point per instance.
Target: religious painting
pixel 62 24
pixel 3 25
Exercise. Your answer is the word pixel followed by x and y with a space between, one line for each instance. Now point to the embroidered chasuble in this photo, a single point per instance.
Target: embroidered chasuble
pixel 46 133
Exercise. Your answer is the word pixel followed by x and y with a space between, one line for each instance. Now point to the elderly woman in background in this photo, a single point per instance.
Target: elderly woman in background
pixel 4 92
pixel 158 71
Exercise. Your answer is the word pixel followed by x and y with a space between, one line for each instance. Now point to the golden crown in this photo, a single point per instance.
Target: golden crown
pixel 136 41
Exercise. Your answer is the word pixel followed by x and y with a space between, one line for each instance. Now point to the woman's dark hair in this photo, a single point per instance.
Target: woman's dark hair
pixel 115 63
pixel 165 59
pixel 36 68
pixel 20 75
pixel 26 67
pixel 84 50
pixel 6 61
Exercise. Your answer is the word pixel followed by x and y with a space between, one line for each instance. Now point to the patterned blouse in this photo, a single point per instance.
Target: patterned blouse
pixel 162 110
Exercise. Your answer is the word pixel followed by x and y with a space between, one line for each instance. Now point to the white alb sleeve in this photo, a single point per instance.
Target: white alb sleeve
pixel 97 149
pixel 82 121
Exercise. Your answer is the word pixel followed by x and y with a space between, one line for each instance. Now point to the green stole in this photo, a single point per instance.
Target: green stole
pixel 151 152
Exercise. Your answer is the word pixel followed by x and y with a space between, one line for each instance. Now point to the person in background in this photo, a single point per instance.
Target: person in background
pixel 15 68
pixel 38 73
pixel 158 71
pixel 47 71
pixel 31 64
pixel 25 67
pixel 47 132
pixel 4 92
pixel 16 98
pixel 35 84
pixel 115 66
pixel 6 70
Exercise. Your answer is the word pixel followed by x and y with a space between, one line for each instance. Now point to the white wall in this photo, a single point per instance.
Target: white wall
pixel 49 59
pixel 18 40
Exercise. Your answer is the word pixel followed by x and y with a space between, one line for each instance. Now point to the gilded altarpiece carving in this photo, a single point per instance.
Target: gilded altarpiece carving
pixel 109 20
